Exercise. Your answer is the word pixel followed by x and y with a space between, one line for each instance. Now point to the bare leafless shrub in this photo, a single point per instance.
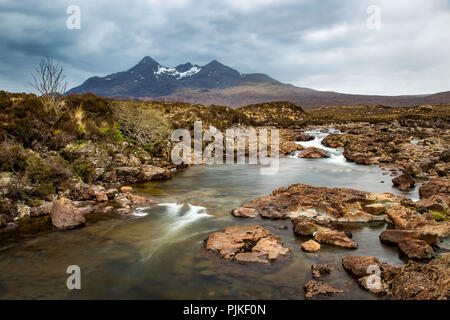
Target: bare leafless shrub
pixel 49 81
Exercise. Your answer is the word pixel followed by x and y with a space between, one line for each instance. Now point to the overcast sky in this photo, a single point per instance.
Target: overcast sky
pixel 324 45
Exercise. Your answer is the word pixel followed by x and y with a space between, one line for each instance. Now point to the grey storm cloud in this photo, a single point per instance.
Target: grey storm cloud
pixel 324 44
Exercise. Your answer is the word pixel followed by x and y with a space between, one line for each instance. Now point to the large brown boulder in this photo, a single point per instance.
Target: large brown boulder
pixel 397 236
pixel 416 249
pixel 65 215
pixel 313 153
pixel 319 289
pixel 246 244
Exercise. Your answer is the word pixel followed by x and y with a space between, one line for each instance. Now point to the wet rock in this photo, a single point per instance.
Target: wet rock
pixel 288 147
pixel 434 187
pixel 318 289
pixel 335 238
pixel 404 182
pixel 65 215
pixel 320 270
pixel 375 208
pixel 310 246
pixel 416 249
pixel 100 194
pixel 246 244
pixel 41 210
pixel 244 212
pixel 313 153
pixel 407 219
pixel 305 226
pixel 422 281
pixel 397 236
pixel 304 137
pixel 360 266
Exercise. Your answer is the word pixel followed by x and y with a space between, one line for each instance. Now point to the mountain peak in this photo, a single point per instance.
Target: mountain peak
pixel 148 60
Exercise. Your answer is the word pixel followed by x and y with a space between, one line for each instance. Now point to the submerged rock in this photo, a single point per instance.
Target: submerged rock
pixel 319 289
pixel 310 246
pixel 65 215
pixel 320 270
pixel 246 244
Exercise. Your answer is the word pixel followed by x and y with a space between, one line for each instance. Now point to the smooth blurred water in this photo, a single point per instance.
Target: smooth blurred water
pixel 158 253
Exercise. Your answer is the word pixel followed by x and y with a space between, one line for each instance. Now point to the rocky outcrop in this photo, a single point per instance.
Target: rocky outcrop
pixel 415 281
pixel 310 246
pixel 313 153
pixel 337 204
pixel 318 289
pixel 65 215
pixel 422 281
pixel 246 244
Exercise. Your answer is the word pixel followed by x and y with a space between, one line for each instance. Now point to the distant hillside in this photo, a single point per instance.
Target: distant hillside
pixel 217 84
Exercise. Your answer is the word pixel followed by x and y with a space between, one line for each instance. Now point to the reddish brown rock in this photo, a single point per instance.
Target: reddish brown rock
pixel 313 153
pixel 335 238
pixel 246 244
pixel 65 215
pixel 304 137
pixel 360 266
pixel 397 236
pixel 244 212
pixel 416 249
pixel 404 182
pixel 310 246
pixel 434 187
pixel 318 289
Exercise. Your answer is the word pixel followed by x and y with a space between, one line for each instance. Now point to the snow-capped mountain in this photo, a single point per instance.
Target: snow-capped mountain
pixel 149 78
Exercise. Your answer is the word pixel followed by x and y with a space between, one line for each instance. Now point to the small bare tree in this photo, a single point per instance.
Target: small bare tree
pixel 49 81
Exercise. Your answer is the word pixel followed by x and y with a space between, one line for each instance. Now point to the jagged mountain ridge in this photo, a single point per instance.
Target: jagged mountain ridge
pixel 215 83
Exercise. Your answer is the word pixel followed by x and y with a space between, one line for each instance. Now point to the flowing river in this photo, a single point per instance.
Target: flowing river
pixel 158 253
